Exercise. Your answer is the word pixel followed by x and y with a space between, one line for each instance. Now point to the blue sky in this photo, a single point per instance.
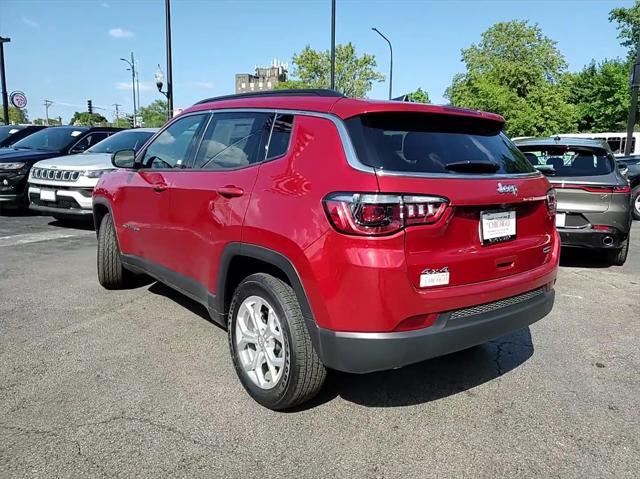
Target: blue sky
pixel 69 51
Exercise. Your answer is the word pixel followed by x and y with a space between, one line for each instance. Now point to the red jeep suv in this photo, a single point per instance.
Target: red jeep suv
pixel 331 232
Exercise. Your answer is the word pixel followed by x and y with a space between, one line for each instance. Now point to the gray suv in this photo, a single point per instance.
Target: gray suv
pixel 594 198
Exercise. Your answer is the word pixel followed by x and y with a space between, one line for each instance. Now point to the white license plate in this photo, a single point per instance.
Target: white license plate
pixel 48 195
pixel 497 226
pixel 561 219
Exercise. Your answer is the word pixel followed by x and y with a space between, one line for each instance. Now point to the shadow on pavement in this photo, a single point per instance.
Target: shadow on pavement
pixel 184 301
pixel 77 224
pixel 416 384
pixel 583 258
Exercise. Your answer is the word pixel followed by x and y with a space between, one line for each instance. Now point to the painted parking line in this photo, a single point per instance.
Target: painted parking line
pixel 26 238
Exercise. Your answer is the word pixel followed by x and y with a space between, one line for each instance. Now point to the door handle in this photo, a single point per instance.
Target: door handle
pixel 230 191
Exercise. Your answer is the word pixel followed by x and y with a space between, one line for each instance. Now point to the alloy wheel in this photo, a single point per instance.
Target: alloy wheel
pixel 260 343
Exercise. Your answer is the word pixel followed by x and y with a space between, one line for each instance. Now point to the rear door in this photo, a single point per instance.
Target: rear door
pixel 497 222
pixel 209 201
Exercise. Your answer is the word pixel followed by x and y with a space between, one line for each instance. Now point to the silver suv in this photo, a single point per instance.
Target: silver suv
pixel 594 198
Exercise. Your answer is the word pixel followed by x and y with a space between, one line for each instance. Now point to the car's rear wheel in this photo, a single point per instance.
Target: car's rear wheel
pixel 270 345
pixel 635 203
pixel 618 256
pixel 111 273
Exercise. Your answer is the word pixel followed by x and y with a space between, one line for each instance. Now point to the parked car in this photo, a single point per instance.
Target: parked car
pixel 594 203
pixel 631 164
pixel 16 161
pixel 9 134
pixel 62 186
pixel 330 232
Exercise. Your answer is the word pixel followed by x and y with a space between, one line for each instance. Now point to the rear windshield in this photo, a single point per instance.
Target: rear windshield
pixel 570 161
pixel 424 143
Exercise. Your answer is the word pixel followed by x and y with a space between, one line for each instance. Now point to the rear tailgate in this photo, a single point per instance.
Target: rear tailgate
pixel 484 179
pixel 455 242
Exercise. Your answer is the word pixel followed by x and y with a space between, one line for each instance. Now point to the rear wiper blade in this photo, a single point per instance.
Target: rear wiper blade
pixel 473 166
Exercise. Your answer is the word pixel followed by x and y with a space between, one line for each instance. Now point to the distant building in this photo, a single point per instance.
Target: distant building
pixel 265 78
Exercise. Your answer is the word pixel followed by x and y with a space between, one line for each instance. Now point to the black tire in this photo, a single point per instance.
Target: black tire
pixel 635 205
pixel 111 273
pixel 303 374
pixel 618 256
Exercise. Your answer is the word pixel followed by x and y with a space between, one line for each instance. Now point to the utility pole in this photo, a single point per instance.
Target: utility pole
pixel 333 44
pixel 167 5
pixel 47 104
pixel 5 99
pixel 633 106
pixel 117 113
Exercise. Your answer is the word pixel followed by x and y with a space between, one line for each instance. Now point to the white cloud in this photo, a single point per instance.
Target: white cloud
pixel 144 86
pixel 31 23
pixel 120 33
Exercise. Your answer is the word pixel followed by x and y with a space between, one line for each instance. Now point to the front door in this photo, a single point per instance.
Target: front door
pixel 146 198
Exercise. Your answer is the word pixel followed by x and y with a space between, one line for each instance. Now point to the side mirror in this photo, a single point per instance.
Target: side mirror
pixel 546 170
pixel 78 149
pixel 123 158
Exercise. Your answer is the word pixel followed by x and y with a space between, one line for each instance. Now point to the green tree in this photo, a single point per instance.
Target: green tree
pixel 16 115
pixel 87 119
pixel 628 25
pixel 355 74
pixel 155 114
pixel 42 121
pixel 515 71
pixel 419 96
pixel 601 95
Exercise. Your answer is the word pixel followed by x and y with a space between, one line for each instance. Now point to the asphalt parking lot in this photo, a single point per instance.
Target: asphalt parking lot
pixel 140 383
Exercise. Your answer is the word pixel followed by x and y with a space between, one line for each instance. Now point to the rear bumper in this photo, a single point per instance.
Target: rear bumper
pixel 369 352
pixel 589 238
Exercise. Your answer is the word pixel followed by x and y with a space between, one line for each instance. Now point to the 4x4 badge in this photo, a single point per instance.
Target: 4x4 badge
pixel 507 189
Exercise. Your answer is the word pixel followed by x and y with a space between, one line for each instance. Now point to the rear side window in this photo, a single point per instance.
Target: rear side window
pixel 570 161
pixel 425 143
pixel 280 136
pixel 233 140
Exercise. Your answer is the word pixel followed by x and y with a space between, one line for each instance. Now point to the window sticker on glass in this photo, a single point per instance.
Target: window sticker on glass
pixel 75 133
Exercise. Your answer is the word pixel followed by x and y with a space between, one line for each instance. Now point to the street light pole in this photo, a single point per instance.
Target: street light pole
pixel 333 44
pixel 167 5
pixel 5 99
pixel 47 104
pixel 390 62
pixel 633 106
pixel 132 67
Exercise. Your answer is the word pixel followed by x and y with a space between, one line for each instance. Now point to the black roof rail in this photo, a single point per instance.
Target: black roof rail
pixel 299 92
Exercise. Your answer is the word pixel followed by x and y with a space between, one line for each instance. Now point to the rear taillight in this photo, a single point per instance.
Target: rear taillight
pixel 595 189
pixel 551 202
pixel 379 214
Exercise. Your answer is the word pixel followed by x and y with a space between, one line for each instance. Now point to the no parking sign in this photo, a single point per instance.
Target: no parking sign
pixel 18 99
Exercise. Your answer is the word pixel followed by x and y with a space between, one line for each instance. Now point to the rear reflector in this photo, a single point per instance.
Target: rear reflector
pixel 375 214
pixel 605 228
pixel 417 322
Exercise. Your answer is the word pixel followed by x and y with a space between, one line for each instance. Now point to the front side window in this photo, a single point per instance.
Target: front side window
pixel 233 140
pixel 171 148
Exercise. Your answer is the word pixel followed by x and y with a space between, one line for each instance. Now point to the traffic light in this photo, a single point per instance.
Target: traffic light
pixel 130 121
pixel 89 107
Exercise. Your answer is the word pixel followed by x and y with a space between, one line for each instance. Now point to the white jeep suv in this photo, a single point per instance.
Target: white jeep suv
pixel 63 186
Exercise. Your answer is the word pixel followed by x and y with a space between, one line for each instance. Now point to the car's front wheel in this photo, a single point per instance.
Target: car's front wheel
pixel 270 345
pixel 111 273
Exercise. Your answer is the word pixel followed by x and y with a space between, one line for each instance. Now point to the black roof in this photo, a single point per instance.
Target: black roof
pixel 296 92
